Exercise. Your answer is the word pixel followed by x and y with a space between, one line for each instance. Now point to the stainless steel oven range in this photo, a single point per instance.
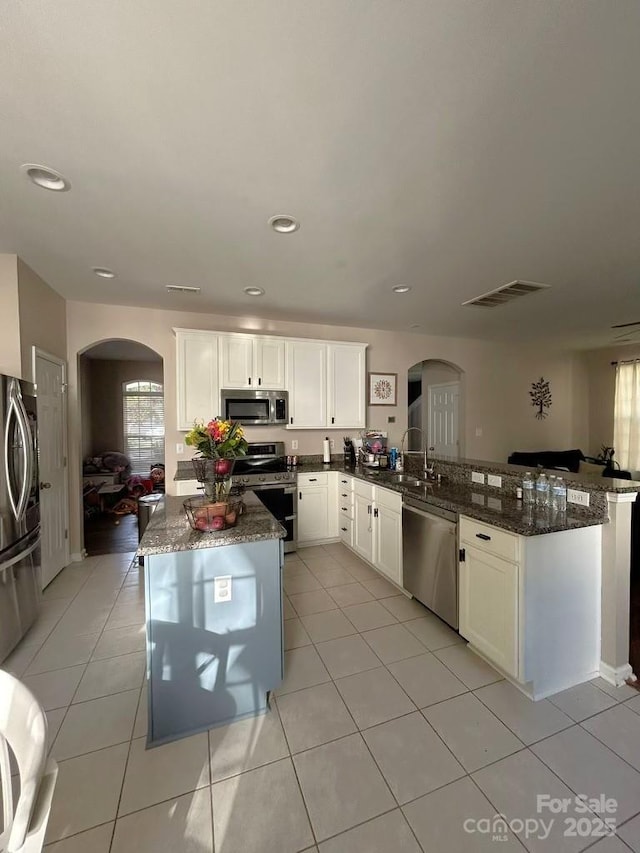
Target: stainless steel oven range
pixel 264 470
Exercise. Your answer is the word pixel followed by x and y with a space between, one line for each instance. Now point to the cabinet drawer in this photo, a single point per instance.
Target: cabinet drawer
pixel 345 483
pixel 389 499
pixel 345 529
pixel 345 509
pixel 365 490
pixel 319 479
pixel 490 539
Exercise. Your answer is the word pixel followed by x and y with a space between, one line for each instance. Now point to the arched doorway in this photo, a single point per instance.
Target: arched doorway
pixel 121 391
pixel 436 407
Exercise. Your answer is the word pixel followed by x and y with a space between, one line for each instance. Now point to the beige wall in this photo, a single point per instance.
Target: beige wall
pixel 497 380
pixel 10 361
pixel 105 383
pixel 42 318
pixel 601 378
pixel 84 396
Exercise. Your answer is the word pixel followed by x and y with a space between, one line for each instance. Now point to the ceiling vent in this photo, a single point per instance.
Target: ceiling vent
pixel 181 288
pixel 506 293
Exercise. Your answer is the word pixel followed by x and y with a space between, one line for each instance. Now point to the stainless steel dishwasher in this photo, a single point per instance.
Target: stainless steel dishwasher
pixel 430 557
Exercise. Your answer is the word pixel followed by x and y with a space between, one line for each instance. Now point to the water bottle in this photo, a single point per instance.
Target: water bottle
pixel 528 488
pixel 552 480
pixel 559 496
pixel 542 491
pixel 393 458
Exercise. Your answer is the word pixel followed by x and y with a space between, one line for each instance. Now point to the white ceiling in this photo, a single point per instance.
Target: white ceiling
pixel 452 145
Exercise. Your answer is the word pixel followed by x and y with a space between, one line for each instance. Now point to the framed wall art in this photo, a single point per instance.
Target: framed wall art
pixel 383 389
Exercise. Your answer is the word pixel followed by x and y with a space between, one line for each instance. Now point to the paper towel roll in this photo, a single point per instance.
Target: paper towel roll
pixel 326 451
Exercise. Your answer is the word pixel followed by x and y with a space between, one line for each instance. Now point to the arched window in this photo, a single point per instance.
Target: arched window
pixel 143 423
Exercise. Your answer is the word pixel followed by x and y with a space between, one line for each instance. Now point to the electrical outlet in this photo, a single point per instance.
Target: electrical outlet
pixel 477 477
pixel 576 497
pixel 332 443
pixel 477 499
pixel 179 448
pixel 222 588
pixel 494 503
pixel 294 445
pixel 494 480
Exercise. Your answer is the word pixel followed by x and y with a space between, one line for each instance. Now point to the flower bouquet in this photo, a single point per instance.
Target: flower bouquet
pixel 218 444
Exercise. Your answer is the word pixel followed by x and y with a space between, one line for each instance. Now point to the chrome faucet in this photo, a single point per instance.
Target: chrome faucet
pixel 428 470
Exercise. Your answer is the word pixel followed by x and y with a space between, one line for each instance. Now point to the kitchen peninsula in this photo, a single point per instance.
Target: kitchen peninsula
pixel 213 607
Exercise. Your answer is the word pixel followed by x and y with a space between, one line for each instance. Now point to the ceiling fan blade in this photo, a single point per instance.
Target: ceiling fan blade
pixel 625 325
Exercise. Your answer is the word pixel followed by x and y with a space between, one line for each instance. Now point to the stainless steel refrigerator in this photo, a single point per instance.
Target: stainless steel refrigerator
pixel 20 583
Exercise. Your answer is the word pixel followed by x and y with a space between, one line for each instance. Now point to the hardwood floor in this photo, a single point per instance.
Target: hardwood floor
pixel 110 534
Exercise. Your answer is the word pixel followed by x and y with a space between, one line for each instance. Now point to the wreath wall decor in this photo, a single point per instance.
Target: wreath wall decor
pixel 541 397
pixel 382 389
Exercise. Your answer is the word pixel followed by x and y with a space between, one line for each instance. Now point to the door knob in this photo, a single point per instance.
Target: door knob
pixel 45 485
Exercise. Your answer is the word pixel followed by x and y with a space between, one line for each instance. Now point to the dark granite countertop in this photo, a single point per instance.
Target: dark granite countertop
pixel 490 506
pixel 168 529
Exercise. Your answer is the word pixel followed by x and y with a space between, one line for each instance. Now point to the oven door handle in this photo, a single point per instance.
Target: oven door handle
pixel 287 490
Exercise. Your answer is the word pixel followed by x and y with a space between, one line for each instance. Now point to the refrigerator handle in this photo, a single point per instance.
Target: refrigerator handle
pixel 17 409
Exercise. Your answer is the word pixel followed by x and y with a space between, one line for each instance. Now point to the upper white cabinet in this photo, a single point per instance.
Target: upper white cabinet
pixel 307 375
pixel 197 377
pixel 325 379
pixel 346 385
pixel 247 361
pixel 326 385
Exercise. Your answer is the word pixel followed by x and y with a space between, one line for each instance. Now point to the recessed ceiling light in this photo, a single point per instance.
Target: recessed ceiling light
pixel 401 288
pixel 103 272
pixel 415 326
pixel 48 179
pixel 254 291
pixel 284 224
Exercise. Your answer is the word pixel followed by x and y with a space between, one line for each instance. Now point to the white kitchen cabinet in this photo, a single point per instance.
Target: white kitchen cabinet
pixel 198 393
pixel 377 528
pixel 247 361
pixel 488 607
pixel 363 524
pixel 307 381
pixel 346 385
pixel 184 488
pixel 387 526
pixel 317 507
pixel 531 604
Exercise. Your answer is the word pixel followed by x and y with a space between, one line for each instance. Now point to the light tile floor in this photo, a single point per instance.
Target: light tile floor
pixel 385 737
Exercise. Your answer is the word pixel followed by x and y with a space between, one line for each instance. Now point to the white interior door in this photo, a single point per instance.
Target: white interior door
pixel 50 378
pixel 443 419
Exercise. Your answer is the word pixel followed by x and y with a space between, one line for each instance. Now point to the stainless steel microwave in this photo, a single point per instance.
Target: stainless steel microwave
pixel 248 406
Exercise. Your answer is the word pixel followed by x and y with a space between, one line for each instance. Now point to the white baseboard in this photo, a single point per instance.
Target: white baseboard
pixel 616 675
pixel 78 557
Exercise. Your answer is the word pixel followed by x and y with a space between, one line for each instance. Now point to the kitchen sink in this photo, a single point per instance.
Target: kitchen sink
pixel 408 480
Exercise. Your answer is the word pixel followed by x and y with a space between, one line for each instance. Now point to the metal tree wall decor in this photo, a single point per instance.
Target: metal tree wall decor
pixel 541 397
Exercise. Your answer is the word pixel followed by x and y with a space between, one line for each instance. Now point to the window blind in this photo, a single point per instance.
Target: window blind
pixel 143 423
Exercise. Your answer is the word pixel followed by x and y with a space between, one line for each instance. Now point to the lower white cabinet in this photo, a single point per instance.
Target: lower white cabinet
pixel 531 604
pixel 317 507
pixel 377 528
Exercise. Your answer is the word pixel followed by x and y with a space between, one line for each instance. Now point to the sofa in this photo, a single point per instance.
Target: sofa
pixel 566 460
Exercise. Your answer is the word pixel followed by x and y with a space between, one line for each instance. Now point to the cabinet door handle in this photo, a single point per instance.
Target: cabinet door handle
pixel 369 509
pixel 300 495
pixel 344 509
pixel 291 420
pixel 333 420
pixel 462 555
pixel 375 512
pixel 249 380
pixel 259 380
pixel 483 536
pixel 313 479
pixel 344 495
pixel 344 528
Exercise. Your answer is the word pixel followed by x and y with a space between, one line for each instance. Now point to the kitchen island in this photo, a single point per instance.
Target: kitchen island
pixel 213 609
